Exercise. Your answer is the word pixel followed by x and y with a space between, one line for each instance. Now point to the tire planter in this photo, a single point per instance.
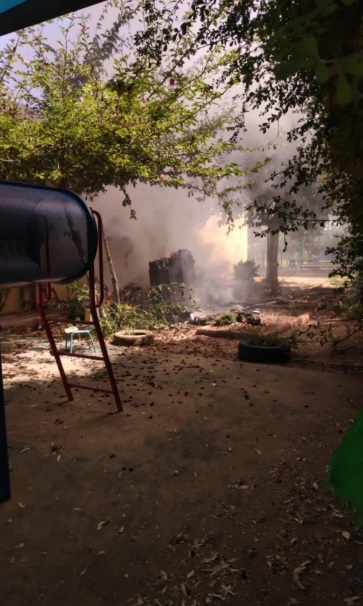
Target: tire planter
pixel 263 353
pixel 133 337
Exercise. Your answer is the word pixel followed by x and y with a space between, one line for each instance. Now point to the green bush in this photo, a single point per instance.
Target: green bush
pixel 158 306
pixel 245 271
pixel 226 319
pixel 79 299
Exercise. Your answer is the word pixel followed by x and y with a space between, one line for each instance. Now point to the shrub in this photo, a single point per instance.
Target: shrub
pixel 159 306
pixel 226 319
pixel 245 271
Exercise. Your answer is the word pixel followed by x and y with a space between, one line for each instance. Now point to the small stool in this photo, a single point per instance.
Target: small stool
pixel 72 332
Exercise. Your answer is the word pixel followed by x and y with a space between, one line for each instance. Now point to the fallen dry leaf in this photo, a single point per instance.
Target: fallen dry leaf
pixel 184 590
pixel 228 590
pixel 163 575
pixel 297 572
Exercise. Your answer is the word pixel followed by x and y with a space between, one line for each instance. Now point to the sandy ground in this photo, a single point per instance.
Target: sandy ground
pixel 208 489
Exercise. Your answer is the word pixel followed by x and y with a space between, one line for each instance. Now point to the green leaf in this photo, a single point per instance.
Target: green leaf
pixel 348 2
pixel 323 73
pixel 353 66
pixel 184 27
pixel 299 59
pixel 311 45
pixel 328 9
pixel 344 90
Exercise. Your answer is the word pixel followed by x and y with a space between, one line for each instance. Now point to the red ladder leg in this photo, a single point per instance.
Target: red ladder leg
pixel 42 310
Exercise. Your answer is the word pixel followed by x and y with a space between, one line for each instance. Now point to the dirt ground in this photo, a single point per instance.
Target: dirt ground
pixel 208 489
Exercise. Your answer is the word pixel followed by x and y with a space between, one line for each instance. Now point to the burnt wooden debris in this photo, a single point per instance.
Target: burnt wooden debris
pixel 177 268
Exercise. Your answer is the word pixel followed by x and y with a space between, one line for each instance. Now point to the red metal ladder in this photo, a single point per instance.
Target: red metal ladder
pixel 94 304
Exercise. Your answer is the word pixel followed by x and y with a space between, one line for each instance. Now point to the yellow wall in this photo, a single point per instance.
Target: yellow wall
pixel 23 298
pixel 11 298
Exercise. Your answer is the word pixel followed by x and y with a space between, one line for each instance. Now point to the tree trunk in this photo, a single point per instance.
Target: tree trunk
pixel 272 278
pixel 116 292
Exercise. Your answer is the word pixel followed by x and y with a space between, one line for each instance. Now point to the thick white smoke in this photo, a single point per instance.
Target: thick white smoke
pixel 169 220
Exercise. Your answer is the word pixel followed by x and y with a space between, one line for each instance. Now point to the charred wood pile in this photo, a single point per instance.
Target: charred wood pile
pixel 132 294
pixel 178 268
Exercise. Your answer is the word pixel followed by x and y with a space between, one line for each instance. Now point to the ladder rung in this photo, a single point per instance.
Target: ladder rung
pixel 76 355
pixel 48 322
pixel 78 386
pixel 68 321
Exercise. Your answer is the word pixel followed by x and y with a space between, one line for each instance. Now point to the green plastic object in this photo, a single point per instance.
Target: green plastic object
pixel 346 468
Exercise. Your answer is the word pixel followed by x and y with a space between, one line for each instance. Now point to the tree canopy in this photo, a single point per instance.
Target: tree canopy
pixel 84 113
pixel 91 111
pixel 289 57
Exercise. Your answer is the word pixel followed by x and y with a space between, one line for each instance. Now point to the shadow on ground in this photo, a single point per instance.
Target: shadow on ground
pixel 208 489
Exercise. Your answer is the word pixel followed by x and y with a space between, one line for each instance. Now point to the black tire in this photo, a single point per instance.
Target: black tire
pixel 262 353
pixel 133 337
